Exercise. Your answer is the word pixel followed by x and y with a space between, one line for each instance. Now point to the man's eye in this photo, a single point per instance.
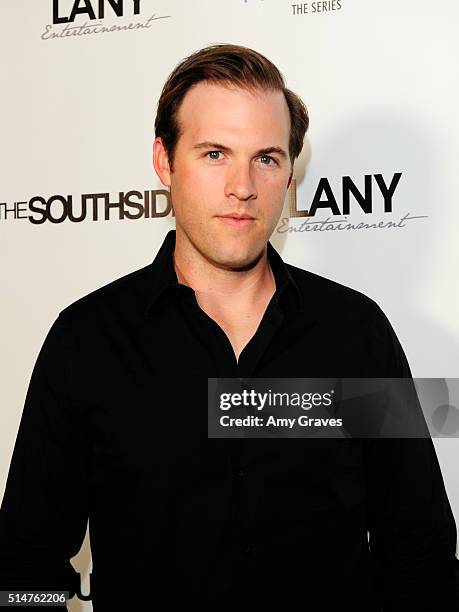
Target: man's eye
pixel 269 159
pixel 214 155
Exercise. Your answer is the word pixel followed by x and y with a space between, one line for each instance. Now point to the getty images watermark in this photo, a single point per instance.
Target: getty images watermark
pixel 333 407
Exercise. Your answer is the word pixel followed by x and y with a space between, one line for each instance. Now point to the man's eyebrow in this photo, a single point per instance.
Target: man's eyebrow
pixel 220 147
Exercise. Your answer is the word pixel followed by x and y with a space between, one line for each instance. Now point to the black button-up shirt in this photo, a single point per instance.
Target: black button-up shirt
pixel 114 429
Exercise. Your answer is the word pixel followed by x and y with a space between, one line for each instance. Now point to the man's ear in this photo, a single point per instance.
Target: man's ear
pixel 161 162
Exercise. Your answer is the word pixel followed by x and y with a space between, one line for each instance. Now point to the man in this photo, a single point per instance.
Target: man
pixel 115 427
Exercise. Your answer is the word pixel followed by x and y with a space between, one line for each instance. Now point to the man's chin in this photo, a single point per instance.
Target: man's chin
pixel 240 262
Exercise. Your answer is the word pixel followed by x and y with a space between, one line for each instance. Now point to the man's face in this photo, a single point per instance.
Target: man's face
pixel 231 158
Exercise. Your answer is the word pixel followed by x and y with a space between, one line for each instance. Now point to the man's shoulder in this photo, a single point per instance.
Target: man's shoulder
pixel 344 310
pixel 125 292
pixel 322 292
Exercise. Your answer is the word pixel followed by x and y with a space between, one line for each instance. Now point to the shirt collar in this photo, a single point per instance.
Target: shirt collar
pixel 163 275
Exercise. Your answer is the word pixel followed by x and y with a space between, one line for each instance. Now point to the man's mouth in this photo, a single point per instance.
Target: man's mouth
pixel 237 219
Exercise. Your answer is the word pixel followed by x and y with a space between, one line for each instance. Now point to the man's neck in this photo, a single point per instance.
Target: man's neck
pixel 219 285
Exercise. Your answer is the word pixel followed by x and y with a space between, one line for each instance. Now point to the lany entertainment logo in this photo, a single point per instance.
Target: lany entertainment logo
pixel 352 198
pixel 95 13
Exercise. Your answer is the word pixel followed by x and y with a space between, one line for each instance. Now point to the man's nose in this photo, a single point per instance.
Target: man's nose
pixel 240 183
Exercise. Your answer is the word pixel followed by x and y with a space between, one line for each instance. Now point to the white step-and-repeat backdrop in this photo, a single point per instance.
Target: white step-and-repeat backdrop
pixel 80 80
